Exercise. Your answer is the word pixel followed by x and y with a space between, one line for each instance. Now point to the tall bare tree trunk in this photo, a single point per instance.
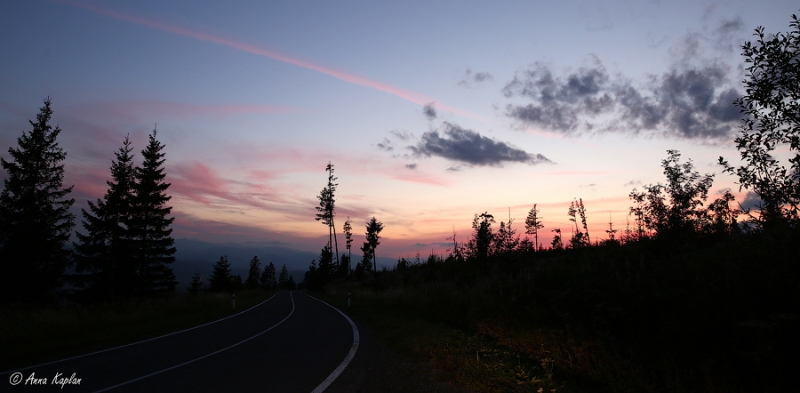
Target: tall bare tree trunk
pixel 335 242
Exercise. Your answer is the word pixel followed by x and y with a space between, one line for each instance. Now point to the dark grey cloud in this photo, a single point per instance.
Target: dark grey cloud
pixel 751 201
pixel 386 145
pixel 559 102
pixel 469 147
pixel 634 183
pixel 470 77
pixel 402 135
pixel 482 76
pixel 691 103
pixel 411 166
pixel 429 111
pixel 728 35
pixel 686 48
pixel 732 26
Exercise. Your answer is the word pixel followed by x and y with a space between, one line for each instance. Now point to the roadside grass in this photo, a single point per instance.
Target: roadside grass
pixel 489 357
pixel 30 337
pixel 719 316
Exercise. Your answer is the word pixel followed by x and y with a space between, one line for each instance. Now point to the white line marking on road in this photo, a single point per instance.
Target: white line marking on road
pixel 335 374
pixel 204 356
pixel 139 342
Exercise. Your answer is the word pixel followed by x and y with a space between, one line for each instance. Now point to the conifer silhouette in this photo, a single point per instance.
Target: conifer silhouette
pixel 268 279
pixel 254 274
pixel 35 221
pixel 283 278
pixel 196 286
pixel 327 208
pixel 374 228
pixel 104 252
pixel 150 224
pixel 221 278
pixel 533 223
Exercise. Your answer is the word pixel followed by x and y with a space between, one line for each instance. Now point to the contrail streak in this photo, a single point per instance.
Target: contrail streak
pixel 407 95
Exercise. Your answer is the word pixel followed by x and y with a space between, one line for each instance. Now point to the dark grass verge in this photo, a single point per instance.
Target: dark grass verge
pixel 711 315
pixel 486 358
pixel 34 336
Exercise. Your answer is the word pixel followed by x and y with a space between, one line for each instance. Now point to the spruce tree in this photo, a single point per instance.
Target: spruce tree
pixel 374 228
pixel 35 221
pixel 348 235
pixel 254 274
pixel 365 265
pixel 150 225
pixel 283 279
pixel 104 252
pixel 326 269
pixel 533 223
pixel 327 207
pixel 196 286
pixel 268 278
pixel 221 278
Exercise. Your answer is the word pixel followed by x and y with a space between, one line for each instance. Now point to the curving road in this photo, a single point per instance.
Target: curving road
pixel 289 343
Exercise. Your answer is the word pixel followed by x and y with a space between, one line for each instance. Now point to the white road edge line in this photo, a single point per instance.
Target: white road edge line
pixel 140 342
pixel 335 374
pixel 201 357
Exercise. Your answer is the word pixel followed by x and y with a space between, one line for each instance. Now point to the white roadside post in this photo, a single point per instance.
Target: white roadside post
pixel 233 296
pixel 348 299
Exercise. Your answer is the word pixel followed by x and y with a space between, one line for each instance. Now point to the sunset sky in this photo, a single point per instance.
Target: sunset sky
pixel 431 112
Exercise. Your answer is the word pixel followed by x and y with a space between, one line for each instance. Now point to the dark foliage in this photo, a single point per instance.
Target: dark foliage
pixel 479 246
pixel 104 254
pixel 150 225
pixel 771 105
pixel 253 274
pixel 348 235
pixel 196 286
pixel 675 210
pixel 327 208
pixel 285 281
pixel 374 228
pixel 221 279
pixel 35 221
pixel 269 280
pixel 533 223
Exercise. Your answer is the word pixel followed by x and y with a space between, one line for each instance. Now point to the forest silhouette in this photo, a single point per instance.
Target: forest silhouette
pixel 693 295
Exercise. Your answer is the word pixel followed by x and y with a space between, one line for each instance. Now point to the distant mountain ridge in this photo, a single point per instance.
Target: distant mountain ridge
pixel 196 255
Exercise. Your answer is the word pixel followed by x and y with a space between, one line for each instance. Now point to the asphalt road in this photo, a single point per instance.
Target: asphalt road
pixel 290 343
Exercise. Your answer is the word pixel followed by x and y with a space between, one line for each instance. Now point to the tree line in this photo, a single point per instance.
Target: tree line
pixel 675 212
pixel 330 266
pixel 223 280
pixel 125 248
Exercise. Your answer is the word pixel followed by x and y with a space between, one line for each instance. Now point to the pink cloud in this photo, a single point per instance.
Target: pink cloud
pixel 204 185
pixel 407 95
pixel 420 178
pixel 580 173
pixel 89 182
pixel 546 134
pixel 194 181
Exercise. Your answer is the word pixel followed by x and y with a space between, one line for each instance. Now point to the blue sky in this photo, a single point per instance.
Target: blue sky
pixel 527 102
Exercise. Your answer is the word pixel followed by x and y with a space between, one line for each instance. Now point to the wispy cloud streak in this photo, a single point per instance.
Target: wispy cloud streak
pixel 407 95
